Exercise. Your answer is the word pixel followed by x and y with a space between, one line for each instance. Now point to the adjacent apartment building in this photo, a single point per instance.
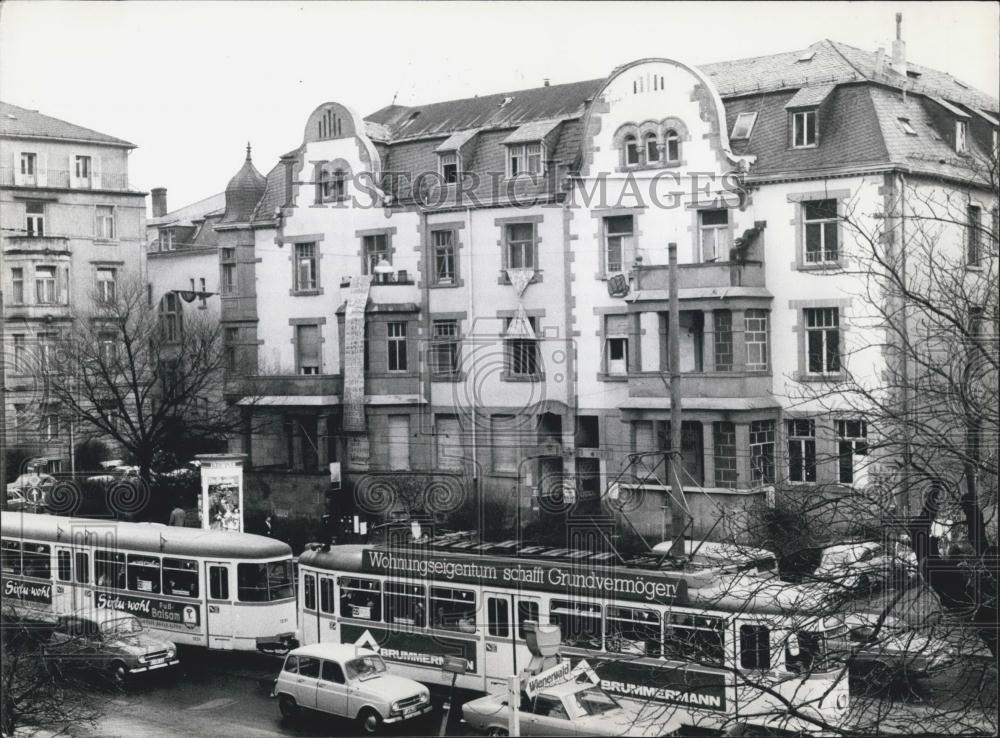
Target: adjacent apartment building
pixel 71 228
pixel 479 289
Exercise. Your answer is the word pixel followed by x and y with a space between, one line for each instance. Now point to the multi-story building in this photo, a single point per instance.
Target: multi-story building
pixel 71 228
pixel 481 286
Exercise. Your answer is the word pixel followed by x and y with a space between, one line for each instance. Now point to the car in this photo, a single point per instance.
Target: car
pixel 572 707
pixel 30 492
pixel 348 681
pixel 109 642
pixel 866 565
pixel 893 648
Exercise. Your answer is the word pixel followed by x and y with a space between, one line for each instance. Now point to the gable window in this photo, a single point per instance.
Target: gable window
pixel 821 224
pixel 521 353
pixel 376 248
pixel 307 357
pixel 804 129
pixel 756 340
pixel 444 256
pixel 961 136
pixel 631 151
pixel 106 291
pixel 743 126
pixel 616 344
pixel 166 240
pixel 170 317
pixel 228 258
pixel 652 148
pixel 714 227
pixel 852 445
pixel 618 242
pixel 449 168
pixel 45 285
pixel 306 267
pixel 17 286
pixel 445 354
pixel 520 245
pixel 801 450
pixel 822 340
pixel 762 451
pixel 673 146
pixel 524 159
pixel 396 346
pixel 105 222
pixel 34 220
pixel 973 239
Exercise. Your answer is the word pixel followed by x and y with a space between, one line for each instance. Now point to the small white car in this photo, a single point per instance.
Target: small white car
pixel 349 681
pixel 866 565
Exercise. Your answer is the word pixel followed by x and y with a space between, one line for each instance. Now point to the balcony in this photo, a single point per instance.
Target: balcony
pixel 23 243
pixel 61 179
pixel 289 386
pixel 701 384
pixel 708 276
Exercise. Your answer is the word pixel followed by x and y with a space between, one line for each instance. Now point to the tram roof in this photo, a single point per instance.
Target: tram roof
pixel 147 537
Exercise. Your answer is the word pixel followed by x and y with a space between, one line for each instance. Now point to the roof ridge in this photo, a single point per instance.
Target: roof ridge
pixel 504 93
pixel 106 136
pixel 833 45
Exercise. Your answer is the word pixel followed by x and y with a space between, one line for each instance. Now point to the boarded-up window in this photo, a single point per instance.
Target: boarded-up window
pixel 399 442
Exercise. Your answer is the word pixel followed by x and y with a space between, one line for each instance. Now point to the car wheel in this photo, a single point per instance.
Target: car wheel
pixel 287 707
pixel 119 674
pixel 497 731
pixel 370 721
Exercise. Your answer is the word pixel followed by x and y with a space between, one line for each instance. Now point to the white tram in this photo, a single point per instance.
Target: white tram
pixel 217 589
pixel 718 646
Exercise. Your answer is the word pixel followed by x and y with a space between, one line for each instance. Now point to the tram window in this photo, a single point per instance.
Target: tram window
pixel 498 617
pixel 82 567
pixel 280 580
pixel 812 655
pixel 755 647
pixel 264 582
pixel 404 604
pixel 65 566
pixel 309 592
pixel 632 630
pixel 580 623
pixel 526 610
pixel 308 666
pixel 292 665
pixel 109 567
pixel 325 595
pixel 693 638
pixel 144 573
pixel 10 557
pixel 37 560
pixel 180 577
pixel 218 583
pixel 360 598
pixel 453 609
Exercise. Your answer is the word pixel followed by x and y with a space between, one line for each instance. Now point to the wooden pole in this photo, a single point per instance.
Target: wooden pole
pixel 676 490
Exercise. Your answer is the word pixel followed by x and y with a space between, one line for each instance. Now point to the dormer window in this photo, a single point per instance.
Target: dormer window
pixel 631 151
pixel 672 145
pixel 961 136
pixel 804 129
pixel 908 129
pixel 524 159
pixel 743 126
pixel 449 168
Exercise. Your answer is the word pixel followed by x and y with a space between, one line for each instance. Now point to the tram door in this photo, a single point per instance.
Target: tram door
pixel 500 656
pixel 309 609
pixel 220 614
pixel 66 597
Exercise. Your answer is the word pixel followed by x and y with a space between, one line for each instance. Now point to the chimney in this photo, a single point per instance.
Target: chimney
pixel 546 83
pixel 880 61
pixel 158 195
pixel 899 48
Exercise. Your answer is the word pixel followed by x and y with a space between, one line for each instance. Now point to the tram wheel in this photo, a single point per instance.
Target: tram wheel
pixel 286 705
pixel 370 721
pixel 497 731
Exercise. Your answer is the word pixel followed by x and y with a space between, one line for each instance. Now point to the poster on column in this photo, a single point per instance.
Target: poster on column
pixel 220 506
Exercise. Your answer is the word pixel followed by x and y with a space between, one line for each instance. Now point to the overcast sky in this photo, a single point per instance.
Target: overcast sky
pixel 191 82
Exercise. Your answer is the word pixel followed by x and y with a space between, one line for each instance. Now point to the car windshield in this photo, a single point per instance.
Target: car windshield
pixel 121 626
pixel 595 702
pixel 366 666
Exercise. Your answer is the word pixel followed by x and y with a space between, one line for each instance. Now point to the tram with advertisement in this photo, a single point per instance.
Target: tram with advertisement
pixel 216 589
pixel 720 646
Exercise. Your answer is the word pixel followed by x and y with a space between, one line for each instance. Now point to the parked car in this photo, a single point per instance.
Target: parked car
pixel 352 682
pixel 893 648
pixel 866 565
pixel 109 642
pixel 569 708
pixel 30 492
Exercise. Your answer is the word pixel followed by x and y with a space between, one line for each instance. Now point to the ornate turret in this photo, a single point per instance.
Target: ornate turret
pixel 243 192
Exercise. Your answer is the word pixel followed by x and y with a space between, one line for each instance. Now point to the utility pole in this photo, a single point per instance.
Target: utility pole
pixel 676 495
pixel 3 400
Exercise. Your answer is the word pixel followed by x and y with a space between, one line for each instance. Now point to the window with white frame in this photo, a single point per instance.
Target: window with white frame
pixel 105 222
pixel 755 337
pixel 762 451
pixel 443 243
pixel 714 231
pixel 376 248
pixel 520 245
pixel 45 285
pixel 672 146
pixel 801 450
pixel 822 327
pixel 165 240
pixel 618 242
pixel 616 344
pixel 652 147
pixel 521 353
pixel 82 167
pixel 396 346
pixel 34 218
pixel 332 185
pixel 446 347
pixel 449 167
pixel 973 240
pixel 852 447
pixel 306 267
pixel 524 159
pixel 307 349
pixel 743 126
pixel 631 144
pixel 227 257
pixel 17 286
pixel 29 166
pixel 803 129
pixel 106 287
pixel 819 218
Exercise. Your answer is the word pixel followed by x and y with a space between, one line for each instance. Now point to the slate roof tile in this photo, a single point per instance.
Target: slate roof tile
pixel 16 121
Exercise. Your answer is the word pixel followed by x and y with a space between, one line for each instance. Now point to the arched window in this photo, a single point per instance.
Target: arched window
pixel 652 147
pixel 325 185
pixel 631 150
pixel 673 145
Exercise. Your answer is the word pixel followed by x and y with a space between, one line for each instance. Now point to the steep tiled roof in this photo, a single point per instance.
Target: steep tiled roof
pixel 243 192
pixel 274 195
pixel 16 121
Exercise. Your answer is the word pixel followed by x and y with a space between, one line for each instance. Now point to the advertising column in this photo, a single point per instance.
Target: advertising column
pixel 220 506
